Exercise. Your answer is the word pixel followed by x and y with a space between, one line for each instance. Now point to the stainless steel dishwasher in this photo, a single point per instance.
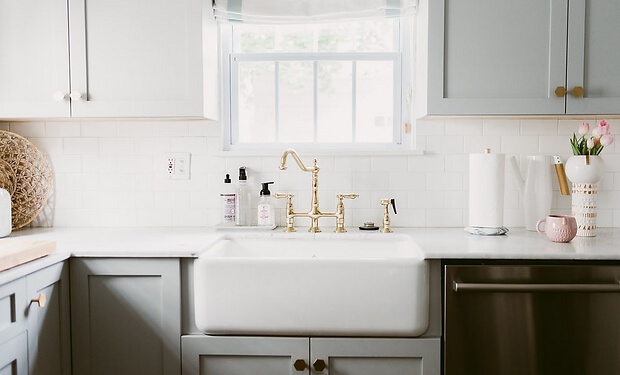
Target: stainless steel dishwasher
pixel 530 320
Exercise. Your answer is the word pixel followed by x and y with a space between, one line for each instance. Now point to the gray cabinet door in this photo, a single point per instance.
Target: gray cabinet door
pixel 136 58
pixel 34 58
pixel 337 356
pixel 13 306
pixel 14 356
pixel 216 355
pixel 49 333
pixel 594 56
pixel 495 56
pixel 126 316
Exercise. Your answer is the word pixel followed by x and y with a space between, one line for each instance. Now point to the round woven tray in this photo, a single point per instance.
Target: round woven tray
pixel 26 175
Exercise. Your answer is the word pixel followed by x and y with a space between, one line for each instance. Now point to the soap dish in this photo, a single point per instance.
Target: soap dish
pixel 487 231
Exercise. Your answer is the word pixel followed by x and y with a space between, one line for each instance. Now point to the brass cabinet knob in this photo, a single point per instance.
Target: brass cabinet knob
pixel 300 365
pixel 41 300
pixel 319 365
pixel 577 91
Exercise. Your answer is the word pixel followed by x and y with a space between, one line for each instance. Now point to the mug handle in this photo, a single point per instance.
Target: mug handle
pixel 538 225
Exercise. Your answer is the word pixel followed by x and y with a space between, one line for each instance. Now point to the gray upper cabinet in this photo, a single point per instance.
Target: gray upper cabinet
pixel 82 58
pixel 501 57
pixel 126 316
pixel 594 57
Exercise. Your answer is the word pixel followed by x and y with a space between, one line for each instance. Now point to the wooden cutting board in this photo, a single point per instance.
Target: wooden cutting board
pixel 16 251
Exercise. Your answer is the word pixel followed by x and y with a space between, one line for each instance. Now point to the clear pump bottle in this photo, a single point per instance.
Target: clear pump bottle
pixel 244 199
pixel 265 206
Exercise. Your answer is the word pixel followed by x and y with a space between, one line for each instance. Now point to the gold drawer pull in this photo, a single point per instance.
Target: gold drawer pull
pixel 41 300
pixel 577 91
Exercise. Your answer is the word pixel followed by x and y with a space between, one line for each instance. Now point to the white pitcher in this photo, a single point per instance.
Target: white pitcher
pixel 536 188
pixel 5 213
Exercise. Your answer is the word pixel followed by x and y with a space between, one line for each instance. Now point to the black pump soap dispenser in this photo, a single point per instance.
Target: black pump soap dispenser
pixel 265 206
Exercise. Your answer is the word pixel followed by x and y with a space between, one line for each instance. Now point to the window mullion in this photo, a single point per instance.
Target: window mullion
pixel 353 99
pixel 277 98
pixel 315 96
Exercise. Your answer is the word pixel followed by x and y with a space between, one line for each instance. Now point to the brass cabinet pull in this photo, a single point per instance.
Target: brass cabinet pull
pixel 319 365
pixel 577 91
pixel 41 300
pixel 300 365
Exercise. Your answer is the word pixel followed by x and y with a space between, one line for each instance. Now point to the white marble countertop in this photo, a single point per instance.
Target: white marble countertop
pixel 436 243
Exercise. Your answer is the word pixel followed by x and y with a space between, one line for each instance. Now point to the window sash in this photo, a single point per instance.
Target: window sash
pixel 315 57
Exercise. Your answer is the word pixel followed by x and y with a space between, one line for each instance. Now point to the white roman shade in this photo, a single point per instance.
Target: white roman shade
pixel 308 11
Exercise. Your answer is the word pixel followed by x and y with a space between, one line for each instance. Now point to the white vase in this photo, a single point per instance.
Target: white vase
pixel 585 172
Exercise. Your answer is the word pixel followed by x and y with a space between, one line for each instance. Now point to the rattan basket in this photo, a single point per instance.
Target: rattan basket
pixel 26 175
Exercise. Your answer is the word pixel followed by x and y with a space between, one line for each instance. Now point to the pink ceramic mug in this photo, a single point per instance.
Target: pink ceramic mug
pixel 558 228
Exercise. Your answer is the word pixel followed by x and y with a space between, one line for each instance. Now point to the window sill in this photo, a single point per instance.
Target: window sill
pixel 320 152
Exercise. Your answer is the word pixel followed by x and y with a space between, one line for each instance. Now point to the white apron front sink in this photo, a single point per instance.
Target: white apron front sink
pixel 316 284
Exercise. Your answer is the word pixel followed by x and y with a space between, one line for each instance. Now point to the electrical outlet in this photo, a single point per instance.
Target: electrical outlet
pixel 178 166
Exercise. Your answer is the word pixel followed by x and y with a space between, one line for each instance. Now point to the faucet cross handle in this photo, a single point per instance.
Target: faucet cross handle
pixel 346 196
pixel 289 210
pixel 385 228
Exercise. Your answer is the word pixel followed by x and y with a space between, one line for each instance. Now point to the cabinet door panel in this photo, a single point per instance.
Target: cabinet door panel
pixel 377 356
pixel 126 316
pixel 12 309
pixel 49 340
pixel 496 57
pixel 594 56
pixel 210 355
pixel 34 62
pixel 14 356
pixel 136 58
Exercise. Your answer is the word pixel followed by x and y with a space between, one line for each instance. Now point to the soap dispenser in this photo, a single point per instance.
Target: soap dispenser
pixel 265 206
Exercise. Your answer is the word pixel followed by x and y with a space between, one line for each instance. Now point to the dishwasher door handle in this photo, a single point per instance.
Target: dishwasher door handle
pixel 460 287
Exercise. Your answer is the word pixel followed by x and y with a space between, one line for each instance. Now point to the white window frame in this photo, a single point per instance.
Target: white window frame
pixel 403 137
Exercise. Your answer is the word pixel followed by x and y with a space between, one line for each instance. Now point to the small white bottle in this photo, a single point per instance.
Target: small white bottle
pixel 228 204
pixel 244 198
pixel 5 213
pixel 265 206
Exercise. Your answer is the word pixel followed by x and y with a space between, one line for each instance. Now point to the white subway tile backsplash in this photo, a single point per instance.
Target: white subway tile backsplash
pixel 520 144
pixel 62 129
pixel 112 173
pixel 80 146
pixel 99 129
pixel 501 127
pixel 452 144
pixel 464 127
pixel 28 129
pixel 477 144
pixel 539 127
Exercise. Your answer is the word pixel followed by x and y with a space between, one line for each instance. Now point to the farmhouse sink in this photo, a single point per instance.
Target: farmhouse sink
pixel 314 285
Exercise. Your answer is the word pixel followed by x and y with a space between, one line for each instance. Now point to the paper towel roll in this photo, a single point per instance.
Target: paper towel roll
pixel 486 190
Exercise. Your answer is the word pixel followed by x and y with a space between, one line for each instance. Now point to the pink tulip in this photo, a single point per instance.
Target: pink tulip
pixel 603 127
pixel 584 128
pixel 607 139
pixel 590 143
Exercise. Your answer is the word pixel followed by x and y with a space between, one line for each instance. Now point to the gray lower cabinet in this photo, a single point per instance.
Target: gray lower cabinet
pixel 34 323
pixel 49 332
pixel 126 316
pixel 217 355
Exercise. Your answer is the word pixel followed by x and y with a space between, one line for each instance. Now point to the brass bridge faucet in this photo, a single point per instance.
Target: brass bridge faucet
pixel 314 213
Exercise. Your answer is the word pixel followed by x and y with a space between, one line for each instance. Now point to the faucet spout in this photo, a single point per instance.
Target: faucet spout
pixel 301 165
